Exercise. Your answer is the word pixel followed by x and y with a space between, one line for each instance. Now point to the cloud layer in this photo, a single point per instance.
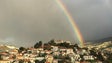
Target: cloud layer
pixel 23 22
pixel 92 16
pixel 29 21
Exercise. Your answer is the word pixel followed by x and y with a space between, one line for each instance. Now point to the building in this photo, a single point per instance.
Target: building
pixel 4 61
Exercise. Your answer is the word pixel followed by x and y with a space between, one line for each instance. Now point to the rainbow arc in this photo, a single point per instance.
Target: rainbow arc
pixel 72 22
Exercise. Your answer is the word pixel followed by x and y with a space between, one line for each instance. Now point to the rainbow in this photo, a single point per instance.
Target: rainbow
pixel 72 22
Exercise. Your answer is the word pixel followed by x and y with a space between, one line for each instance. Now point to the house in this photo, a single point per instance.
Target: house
pixel 68 51
pixel 26 56
pixel 40 58
pixel 55 48
pixel 48 51
pixel 49 58
pixel 40 49
pixel 62 48
pixel 4 55
pixel 20 57
pixel 4 61
pixel 13 51
pixel 88 57
pixel 68 42
pixel 34 51
pixel 59 41
pixel 63 53
pixel 42 52
pixel 55 61
pixel 77 57
pixel 56 53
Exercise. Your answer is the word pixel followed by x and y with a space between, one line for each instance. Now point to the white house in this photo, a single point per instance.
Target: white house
pixel 4 61
pixel 55 48
pixel 69 51
pixel 89 57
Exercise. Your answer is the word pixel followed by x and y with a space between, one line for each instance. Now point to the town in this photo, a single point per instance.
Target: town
pixel 57 51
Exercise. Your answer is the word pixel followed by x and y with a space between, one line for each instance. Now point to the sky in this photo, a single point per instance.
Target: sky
pixel 92 16
pixel 25 22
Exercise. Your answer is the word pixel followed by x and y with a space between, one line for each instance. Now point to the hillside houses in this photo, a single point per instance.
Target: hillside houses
pixel 54 53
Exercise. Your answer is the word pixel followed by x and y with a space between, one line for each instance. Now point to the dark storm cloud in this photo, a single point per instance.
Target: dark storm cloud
pixel 26 21
pixel 94 17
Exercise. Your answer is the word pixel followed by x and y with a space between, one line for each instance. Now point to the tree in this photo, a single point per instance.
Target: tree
pixel 1 57
pixel 66 44
pixel 29 61
pixel 100 57
pixel 52 42
pixel 38 44
pixel 21 61
pixel 36 61
pixel 76 45
pixel 21 49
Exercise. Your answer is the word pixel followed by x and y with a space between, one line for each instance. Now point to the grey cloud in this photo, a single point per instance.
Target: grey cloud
pixel 25 22
pixel 92 16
